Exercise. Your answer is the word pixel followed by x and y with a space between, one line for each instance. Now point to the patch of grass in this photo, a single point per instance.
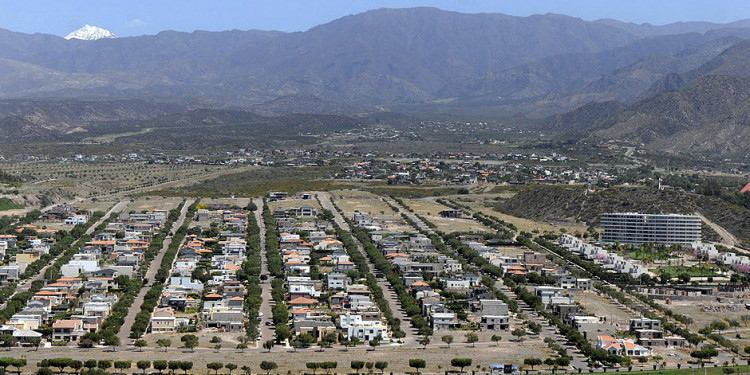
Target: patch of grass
pixel 695 271
pixel 7 204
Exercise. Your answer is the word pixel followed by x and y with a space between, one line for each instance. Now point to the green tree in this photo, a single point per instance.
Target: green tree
pixel 496 339
pixel 60 363
pixel 143 365
pixel 90 364
pixel 375 342
pixel 381 365
pixel 471 338
pixel 550 362
pixel 357 366
pixel 231 367
pixel 20 363
pixel 268 366
pixel 282 333
pixel 314 366
pixel 164 343
pixel 448 339
pixel 104 364
pixel 112 341
pixel 122 365
pixel 519 333
pixel 242 342
pixel 35 342
pixel 6 361
pixel 328 366
pixel 190 341
pixel 532 362
pixel 186 366
pixel 86 343
pixel 417 364
pixel 7 341
pixel 173 366
pixel 246 370
pixel 424 341
pixel 268 345
pixel 461 362
pixel 160 365
pixel 215 366
pixel 140 344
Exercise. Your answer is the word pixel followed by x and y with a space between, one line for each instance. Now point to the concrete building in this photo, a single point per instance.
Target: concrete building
pixel 643 228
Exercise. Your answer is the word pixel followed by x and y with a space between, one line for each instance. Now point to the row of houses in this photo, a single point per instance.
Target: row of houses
pixel 216 300
pixel 613 262
pixel 317 264
pixel 84 292
pixel 21 256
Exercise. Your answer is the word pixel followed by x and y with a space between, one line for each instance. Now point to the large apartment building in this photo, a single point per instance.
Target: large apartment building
pixel 638 228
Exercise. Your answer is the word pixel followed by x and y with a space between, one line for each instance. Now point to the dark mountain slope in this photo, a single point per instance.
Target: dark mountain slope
pixel 711 116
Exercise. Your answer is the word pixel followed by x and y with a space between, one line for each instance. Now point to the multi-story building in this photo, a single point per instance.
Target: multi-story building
pixel 644 228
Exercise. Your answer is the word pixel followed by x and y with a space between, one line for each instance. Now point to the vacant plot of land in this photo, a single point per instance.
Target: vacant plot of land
pixel 354 200
pixel 437 356
pixel 601 306
pixel 97 178
pixel 425 206
pixel 292 203
pixel 152 203
pixel 430 209
pixel 703 313
pixel 98 205
pixel 239 202
pixel 484 202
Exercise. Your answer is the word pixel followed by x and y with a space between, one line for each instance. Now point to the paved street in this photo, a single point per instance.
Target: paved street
pixel 547 330
pixel 124 333
pixel 266 331
pixel 388 293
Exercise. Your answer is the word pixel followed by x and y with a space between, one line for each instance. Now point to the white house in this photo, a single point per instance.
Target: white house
pixel 76 219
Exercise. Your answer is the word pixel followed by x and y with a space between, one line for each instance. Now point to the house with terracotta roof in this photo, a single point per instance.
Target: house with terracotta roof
pixel 624 347
pixel 68 330
pixel 302 302
pixel 163 320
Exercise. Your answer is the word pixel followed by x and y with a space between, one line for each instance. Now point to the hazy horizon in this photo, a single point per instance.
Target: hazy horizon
pixel 132 18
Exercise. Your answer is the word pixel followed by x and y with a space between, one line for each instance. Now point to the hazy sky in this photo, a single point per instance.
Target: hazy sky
pixel 137 17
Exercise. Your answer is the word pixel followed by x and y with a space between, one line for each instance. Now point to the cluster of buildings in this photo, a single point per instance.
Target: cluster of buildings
pixel 420 265
pixel 80 300
pixel 648 333
pixel 462 169
pixel 87 304
pixel 611 261
pixel 320 283
pixel 20 255
pixel 740 263
pixel 204 288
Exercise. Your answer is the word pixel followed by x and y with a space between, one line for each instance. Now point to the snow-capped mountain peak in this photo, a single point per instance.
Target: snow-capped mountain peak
pixel 89 32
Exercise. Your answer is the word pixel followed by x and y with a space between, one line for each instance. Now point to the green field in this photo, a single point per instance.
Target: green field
pixel 7 204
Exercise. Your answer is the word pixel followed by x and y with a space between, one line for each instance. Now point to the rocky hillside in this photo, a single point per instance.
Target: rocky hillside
pixel 555 203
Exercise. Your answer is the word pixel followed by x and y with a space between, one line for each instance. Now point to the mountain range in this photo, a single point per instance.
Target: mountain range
pixel 600 80
pixel 705 110
pixel 390 58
